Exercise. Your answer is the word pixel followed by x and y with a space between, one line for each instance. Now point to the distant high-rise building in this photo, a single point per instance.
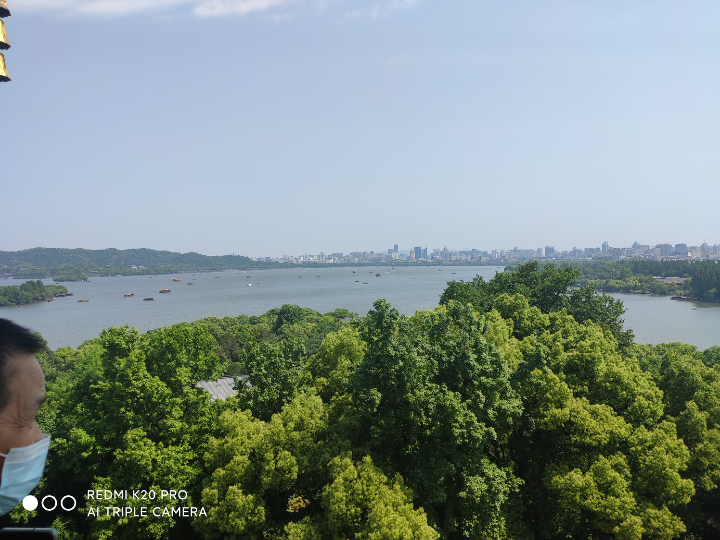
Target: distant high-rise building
pixel 665 249
pixel 605 247
pixel 396 248
pixel 549 251
pixel 681 249
pixel 418 253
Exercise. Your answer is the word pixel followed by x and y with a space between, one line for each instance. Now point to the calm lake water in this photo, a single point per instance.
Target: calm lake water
pixel 65 322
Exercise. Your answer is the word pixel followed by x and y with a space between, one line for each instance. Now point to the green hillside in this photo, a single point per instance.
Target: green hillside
pixel 49 262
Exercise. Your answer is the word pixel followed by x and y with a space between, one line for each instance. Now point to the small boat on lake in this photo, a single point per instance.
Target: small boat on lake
pixel 70 294
pixel 165 290
pixel 365 282
pixel 354 271
pixel 357 281
pixel 249 284
pixel 189 283
pixel 84 300
pixel 177 279
pixel 19 305
pixel 148 299
pixel 128 295
pixel 377 275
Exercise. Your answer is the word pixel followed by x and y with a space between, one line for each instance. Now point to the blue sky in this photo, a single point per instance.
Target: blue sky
pixel 270 127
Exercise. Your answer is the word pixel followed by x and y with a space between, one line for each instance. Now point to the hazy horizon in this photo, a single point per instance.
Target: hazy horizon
pixel 272 127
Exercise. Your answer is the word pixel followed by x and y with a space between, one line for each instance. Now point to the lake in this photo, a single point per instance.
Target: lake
pixel 66 322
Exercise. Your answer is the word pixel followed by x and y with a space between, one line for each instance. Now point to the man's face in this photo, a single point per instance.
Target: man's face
pixel 26 382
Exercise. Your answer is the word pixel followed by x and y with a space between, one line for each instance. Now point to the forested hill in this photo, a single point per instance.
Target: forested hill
pixel 47 262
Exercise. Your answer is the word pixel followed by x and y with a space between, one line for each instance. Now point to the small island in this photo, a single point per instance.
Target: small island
pixel 28 292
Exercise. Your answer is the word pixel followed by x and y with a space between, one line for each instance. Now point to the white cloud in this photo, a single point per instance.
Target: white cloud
pixel 201 8
pixel 102 7
pixel 381 10
pixel 210 8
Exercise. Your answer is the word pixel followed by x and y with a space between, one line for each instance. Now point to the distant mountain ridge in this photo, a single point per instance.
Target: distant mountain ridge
pixel 46 262
pixel 114 257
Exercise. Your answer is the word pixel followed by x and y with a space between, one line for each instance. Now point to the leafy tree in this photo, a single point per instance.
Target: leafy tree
pixel 594 453
pixel 548 288
pixel 435 400
pixel 273 376
pixel 280 479
pixel 711 356
pixel 124 413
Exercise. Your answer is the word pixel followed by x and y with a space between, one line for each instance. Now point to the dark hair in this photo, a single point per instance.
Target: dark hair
pixel 14 339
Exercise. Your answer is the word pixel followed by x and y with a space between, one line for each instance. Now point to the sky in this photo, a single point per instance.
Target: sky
pixel 274 127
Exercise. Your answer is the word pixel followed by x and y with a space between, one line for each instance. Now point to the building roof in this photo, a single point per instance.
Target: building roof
pixel 221 389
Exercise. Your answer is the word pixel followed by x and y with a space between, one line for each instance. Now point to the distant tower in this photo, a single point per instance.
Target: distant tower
pixel 4 44
pixel 606 247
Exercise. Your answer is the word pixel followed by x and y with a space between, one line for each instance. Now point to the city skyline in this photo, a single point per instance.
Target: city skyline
pixel 606 251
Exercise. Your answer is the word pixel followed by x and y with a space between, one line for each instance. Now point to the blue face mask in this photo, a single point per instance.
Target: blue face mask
pixel 21 472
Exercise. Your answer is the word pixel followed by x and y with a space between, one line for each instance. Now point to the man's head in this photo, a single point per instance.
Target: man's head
pixel 22 387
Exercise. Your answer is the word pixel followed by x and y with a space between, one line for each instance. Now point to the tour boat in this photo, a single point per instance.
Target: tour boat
pixel 84 300
pixel 177 279
pixel 129 294
pixel 165 290
pixel 189 283
pixel 148 299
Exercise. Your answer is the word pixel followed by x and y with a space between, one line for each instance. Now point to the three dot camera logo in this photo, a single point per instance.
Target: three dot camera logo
pixel 135 501
pixel 50 503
